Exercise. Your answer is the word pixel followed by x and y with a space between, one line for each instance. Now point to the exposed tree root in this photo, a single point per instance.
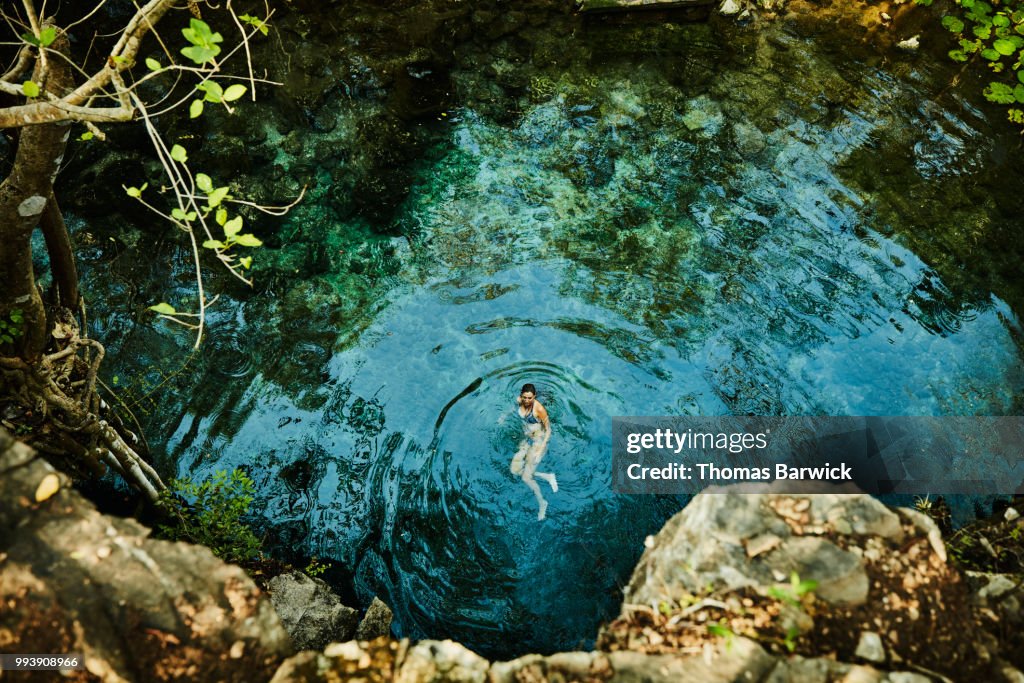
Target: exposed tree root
pixel 69 418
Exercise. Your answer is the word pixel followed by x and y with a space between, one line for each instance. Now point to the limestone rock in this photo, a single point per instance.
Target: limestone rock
pixel 74 580
pixel 444 661
pixel 708 544
pixel 372 662
pixel 311 612
pixel 376 622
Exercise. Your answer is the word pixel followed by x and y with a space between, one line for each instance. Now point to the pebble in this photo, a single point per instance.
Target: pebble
pixel 870 647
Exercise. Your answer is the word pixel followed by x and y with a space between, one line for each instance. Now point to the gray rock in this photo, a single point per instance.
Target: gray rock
pixel 376 622
pixel 74 580
pixel 310 611
pixel 749 140
pixel 870 647
pixel 727 541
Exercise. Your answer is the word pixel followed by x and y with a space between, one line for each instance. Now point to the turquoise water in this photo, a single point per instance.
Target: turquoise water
pixel 669 219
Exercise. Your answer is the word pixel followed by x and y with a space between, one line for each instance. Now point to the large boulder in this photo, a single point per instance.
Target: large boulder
pixel 73 580
pixel 837 573
pixel 311 612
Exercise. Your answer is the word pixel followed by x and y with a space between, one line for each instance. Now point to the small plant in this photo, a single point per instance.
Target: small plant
pixel 794 593
pixel 315 568
pixel 789 642
pixel 721 630
pixel 10 327
pixel 212 513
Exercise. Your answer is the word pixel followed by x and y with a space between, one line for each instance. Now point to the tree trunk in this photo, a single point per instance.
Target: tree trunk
pixel 23 197
pixel 62 258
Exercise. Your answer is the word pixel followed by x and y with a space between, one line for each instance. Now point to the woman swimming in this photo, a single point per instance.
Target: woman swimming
pixel 537 429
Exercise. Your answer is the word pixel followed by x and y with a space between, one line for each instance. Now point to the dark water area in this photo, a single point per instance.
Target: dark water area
pixel 640 217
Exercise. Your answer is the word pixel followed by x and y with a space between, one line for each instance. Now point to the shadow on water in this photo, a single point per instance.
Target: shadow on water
pixel 640 218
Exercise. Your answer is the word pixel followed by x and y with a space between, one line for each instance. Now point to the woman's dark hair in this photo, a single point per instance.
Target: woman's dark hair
pixel 528 389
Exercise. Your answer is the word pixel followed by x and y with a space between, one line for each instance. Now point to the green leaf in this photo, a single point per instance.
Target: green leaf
pixel 203 182
pixel 1004 46
pixel 1000 20
pixel 952 24
pixel 233 227
pixel 200 55
pixel 982 31
pixel 153 65
pixel 1000 93
pixel 214 93
pixel 31 89
pixel 217 196
pixel 6 338
pixel 136 191
pixel 30 38
pixel 86 136
pixel 957 55
pixel 1020 76
pixel 234 92
pixel 249 240
pixel 991 55
pixel 179 154
pixel 204 42
pixel 178 214
pixel 259 24
pixel 213 244
pixel 246 262
pixel 1018 93
pixel 47 36
pixel 222 216
pixel 163 309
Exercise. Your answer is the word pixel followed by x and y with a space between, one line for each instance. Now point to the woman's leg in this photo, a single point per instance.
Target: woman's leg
pixel 534 456
pixel 519 459
pixel 531 465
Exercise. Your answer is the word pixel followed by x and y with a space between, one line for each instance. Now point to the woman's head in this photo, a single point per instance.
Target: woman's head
pixel 528 391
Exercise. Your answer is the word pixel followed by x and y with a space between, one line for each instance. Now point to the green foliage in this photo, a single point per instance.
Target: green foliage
pixel 204 41
pixel 212 513
pixel 255 22
pixel 994 32
pixel 31 88
pixel 793 593
pixel 44 39
pixel 315 568
pixel 11 327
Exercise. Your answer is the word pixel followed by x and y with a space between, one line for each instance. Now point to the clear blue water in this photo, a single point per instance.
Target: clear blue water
pixel 630 240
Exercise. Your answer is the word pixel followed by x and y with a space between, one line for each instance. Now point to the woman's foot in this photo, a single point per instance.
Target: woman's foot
pixel 550 479
pixel 543 510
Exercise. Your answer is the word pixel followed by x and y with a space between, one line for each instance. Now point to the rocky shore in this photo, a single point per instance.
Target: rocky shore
pixel 735 587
